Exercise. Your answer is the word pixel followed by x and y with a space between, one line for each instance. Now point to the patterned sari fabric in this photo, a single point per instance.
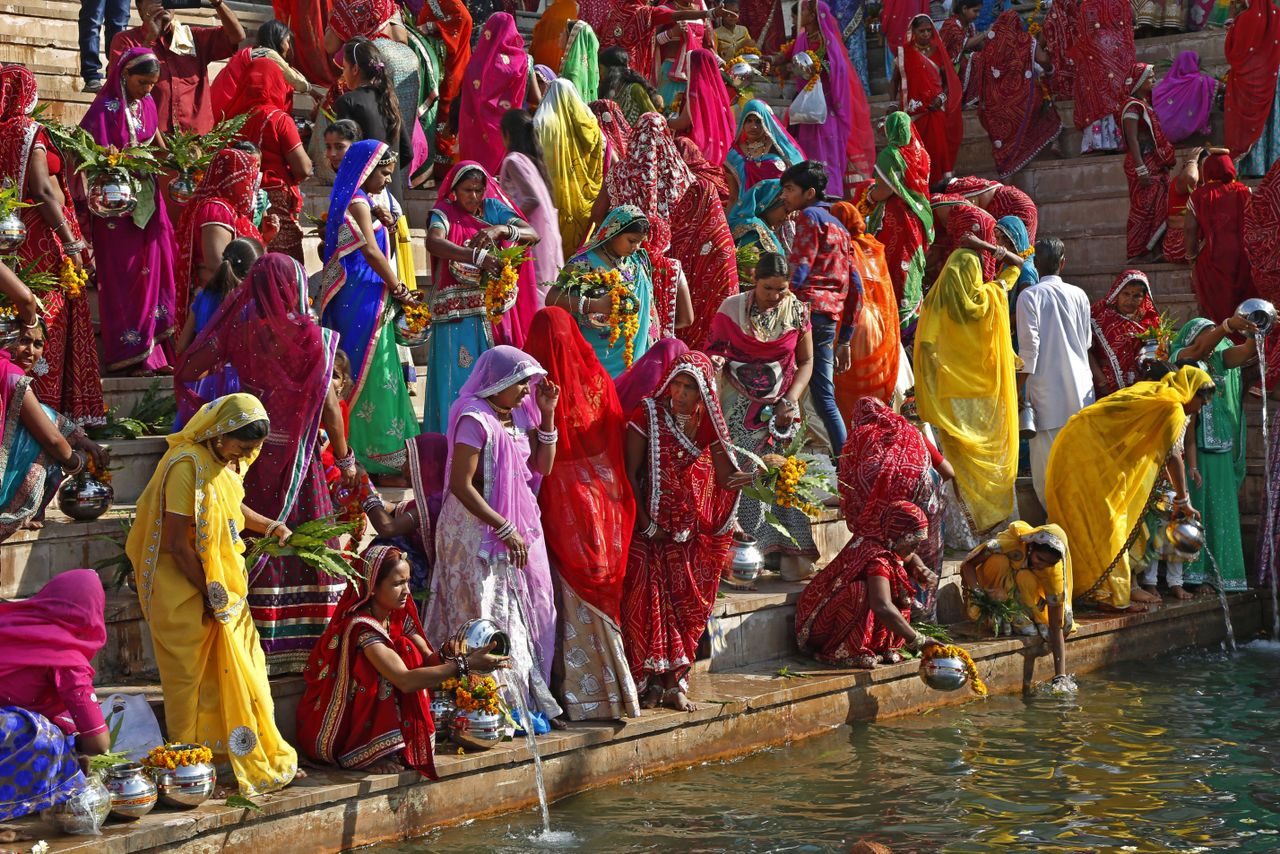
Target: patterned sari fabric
pixel 1183 99
pixel 72 380
pixel 355 302
pixel 265 334
pixel 751 165
pixel 670 585
pixel 931 94
pixel 494 83
pixel 614 126
pixel 969 65
pixel 652 177
pixel 1014 110
pixel 350 715
pixel 835 621
pixel 1103 57
pixel 904 221
pixel 579 65
pixel 1149 199
pixel 1261 235
pixel 634 25
pixel 764 20
pixel 1253 52
pixel 1061 30
pixel 759 349
pixel 28 477
pixel 876 343
pixel 451 28
pixel 307 20
pixel 962 217
pixel 588 515
pixel 708 107
pixel 38 764
pixel 703 246
pixel 1221 275
pixel 573 147
pixel 1005 200
pixel 212 669
pixel 746 218
pixel 1115 341
pixel 545 44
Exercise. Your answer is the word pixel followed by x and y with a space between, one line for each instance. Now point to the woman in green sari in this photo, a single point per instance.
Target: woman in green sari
pixel 1216 459
pixel 580 65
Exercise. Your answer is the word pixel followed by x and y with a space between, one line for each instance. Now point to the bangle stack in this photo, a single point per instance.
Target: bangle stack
pixel 348 462
pixel 548 438
pixel 460 662
pixel 75 465
pixel 478 256
pixel 273 527
pixel 513 232
pixel 651 531
pixel 373 502
pixel 73 247
pixel 507 529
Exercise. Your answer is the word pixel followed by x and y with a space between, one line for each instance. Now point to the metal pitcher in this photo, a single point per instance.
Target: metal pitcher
pixel 1026 421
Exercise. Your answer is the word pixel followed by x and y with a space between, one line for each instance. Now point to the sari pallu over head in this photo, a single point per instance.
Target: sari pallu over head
pixel 1104 463
pixel 574 151
pixel 345 716
pixel 1261 234
pixel 903 165
pixel 746 218
pixel 351 18
pixel 1183 100
pixel 1013 109
pixel 579 65
pixel 877 338
pixel 107 119
pixel 614 126
pixel 509 484
pixel 60 627
pixel 545 43
pixel 1222 277
pixel 641 378
pixel 588 507
pixel 966 388
pixel 964 217
pixel 495 82
pixel 264 331
pixel 709 107
pixel 1253 52
pixel 783 151
pixel 923 80
pixel 458 292
pixel 1115 335
pixel 1102 55
pixel 653 177
pixel 884 460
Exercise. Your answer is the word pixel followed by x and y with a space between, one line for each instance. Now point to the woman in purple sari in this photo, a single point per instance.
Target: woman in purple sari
pixel 133 254
pixel 265 333
pixel 1183 100
pixel 502 441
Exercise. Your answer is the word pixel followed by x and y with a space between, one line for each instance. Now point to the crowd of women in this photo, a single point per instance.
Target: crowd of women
pixel 641 282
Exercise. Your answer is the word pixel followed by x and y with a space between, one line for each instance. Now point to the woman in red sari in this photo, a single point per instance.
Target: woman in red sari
pixel 366 705
pixel 308 19
pixel 901 217
pixel 450 22
pixel 1118 318
pixel 703 244
pixel 1061 28
pixel 1262 235
pixel 954 217
pixel 220 211
pixel 1215 239
pixel 1018 118
pixel 1253 52
pixel 686 486
pixel 588 514
pixel 1102 58
pixel 999 200
pixel 1146 165
pixel 926 88
pixel 71 381
pixel 266 98
pixel 635 25
pixel 857 611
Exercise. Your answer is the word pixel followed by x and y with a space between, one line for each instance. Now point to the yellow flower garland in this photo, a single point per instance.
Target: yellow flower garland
pixel 72 279
pixel 475 693
pixel 784 488
pixel 817 70
pixel 500 289
pixel 166 757
pixel 417 316
pixel 951 651
pixel 621 320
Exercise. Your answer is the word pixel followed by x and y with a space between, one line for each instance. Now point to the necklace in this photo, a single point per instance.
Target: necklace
pixel 756 149
pixel 763 320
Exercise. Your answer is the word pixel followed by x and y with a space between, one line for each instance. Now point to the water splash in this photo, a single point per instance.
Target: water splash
pixel 1222 600
pixel 526 720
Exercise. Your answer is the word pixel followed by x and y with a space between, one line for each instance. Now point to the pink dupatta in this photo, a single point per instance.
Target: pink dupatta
pixel 494 82
pixel 709 108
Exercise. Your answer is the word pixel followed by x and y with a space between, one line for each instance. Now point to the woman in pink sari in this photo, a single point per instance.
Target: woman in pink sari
pixel 134 254
pixel 494 82
pixel 523 177
pixel 706 116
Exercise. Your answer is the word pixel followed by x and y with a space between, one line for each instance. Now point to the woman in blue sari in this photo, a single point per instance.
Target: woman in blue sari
pixel 851 15
pixel 662 301
pixel 760 219
pixel 471 218
pixel 761 149
pixel 359 292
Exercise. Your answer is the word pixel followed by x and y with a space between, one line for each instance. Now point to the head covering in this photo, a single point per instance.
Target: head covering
pixel 579 65
pixel 653 178
pixel 588 507
pixel 544 72
pixel 970 186
pixel 574 150
pixel 18 92
pixel 614 126
pixel 1184 98
pixel 901 523
pixel 107 119
pixel 747 216
pixel 1016 231
pixel 883 460
pixel 1220 168
pixel 784 147
pixel 876 346
pixel 903 164
pixel 1141 72
pixel 498 369
pixel 925 78
pixel 642 377
pixel 548 31
pixel 1114 334
pixel 344 695
pixel 61 626
pixel 709 107
pixel 351 18
pixel 496 78
pixel 261 86
pixel 698 366
pixel 356 167
pixel 966 217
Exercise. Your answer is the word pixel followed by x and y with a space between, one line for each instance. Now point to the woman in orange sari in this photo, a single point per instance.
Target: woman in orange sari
pixel 876 340
pixel 926 87
pixel 450 22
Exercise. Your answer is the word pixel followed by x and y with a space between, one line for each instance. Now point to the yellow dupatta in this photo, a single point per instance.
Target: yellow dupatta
pixel 1102 468
pixel 212 669
pixel 573 148
pixel 966 385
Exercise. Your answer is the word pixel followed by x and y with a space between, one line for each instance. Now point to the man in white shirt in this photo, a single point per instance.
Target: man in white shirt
pixel 1054 334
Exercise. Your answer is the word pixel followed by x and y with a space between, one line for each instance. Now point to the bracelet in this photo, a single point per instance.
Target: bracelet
pixel 513 233
pixel 78 460
pixel 649 532
pixel 73 247
pixel 548 438
pixel 347 462
pixel 460 662
pixel 1226 329
pixel 508 528
pixel 1142 171
pixel 373 502
pixel 480 255
pixel 1184 501
pixel 274 526
pixel 582 305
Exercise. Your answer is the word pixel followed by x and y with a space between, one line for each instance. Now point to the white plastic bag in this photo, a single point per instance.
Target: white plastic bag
pixel 809 107
pixel 133 725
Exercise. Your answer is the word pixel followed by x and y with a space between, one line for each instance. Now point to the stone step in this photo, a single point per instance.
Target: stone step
pixel 29 559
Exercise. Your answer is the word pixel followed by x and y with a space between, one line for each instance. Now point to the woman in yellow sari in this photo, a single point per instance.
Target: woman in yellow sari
pixel 573 147
pixel 1032 566
pixel 188 561
pixel 1102 470
pixel 966 385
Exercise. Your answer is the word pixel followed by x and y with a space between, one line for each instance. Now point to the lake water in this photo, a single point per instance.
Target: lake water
pixel 1181 753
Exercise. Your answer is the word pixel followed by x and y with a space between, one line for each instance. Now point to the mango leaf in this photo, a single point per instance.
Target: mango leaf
pixel 241 802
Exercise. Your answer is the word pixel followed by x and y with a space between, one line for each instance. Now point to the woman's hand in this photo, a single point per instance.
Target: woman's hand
pixel 484 661
pixel 1241 325
pixel 548 397
pixel 282 533
pixel 1194 474
pixel 774 461
pixel 401 293
pixel 101 456
pixel 383 216
pixel 739 479
pixel 492 265
pixel 843 357
pixel 518 549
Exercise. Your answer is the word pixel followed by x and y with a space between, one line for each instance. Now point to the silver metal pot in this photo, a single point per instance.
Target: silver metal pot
pixel 443 711
pixel 84 497
pixel 1185 535
pixel 84 813
pixel 476 730
pixel 13 231
pixel 477 634
pixel 747 559
pixel 1026 421
pixel 133 795
pixel 182 188
pixel 1259 312
pixel 186 786
pixel 1149 351
pixel 112 193
pixel 405 337
pixel 943 674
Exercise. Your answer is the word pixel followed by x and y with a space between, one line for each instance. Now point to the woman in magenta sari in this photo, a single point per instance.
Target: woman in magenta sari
pixel 494 82
pixel 133 254
pixel 264 332
pixel 1183 99
pixel 502 442
pixel 706 116
pixel 472 217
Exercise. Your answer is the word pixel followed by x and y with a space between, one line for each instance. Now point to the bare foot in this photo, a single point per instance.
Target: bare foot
pixel 676 699
pixel 166 371
pixel 385 766
pixel 559 723
pixel 1134 608
pixel 32 525
pixel 1151 588
pixel 651 698
pixel 1140 595
pixel 1179 592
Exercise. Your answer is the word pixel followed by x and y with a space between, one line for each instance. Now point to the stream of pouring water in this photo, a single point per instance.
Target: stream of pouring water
pixel 517 697
pixel 1261 340
pixel 1222 600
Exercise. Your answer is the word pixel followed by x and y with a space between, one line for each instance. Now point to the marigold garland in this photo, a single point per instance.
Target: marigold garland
pixel 818 68
pixel 165 756
pixel 951 651
pixel 101 475
pixel 500 290
pixel 417 316
pixel 784 488
pixel 72 279
pixel 624 319
pixel 474 693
